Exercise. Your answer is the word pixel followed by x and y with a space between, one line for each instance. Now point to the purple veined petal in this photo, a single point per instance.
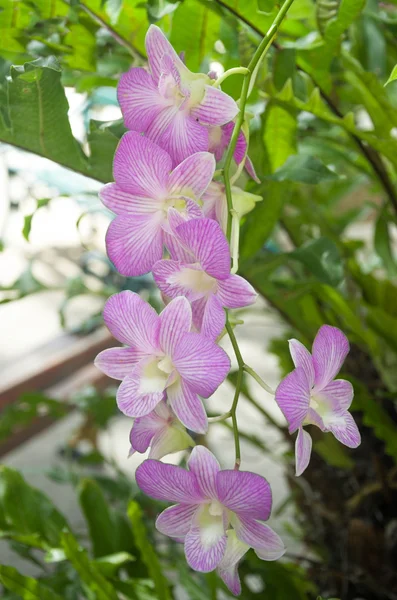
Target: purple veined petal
pixel 139 98
pixel 192 176
pixel 118 362
pixel 198 308
pixel 267 544
pixel 176 520
pixel 293 398
pixel 214 318
pixel 303 450
pixel 132 321
pixel 132 400
pixel 206 468
pixel 160 125
pixel 169 78
pixel 183 136
pixel 187 406
pixel 168 440
pixel 236 292
pixel 249 167
pixel 124 203
pixel 135 243
pixel 156 46
pixel 227 568
pixel 313 418
pixel 206 240
pixel 175 321
pixel 141 167
pixel 247 494
pixel 144 428
pixel 345 430
pixel 329 351
pixel 216 107
pixel 302 358
pixel 201 363
pixel 168 275
pixel 205 544
pixel 339 394
pixel 168 482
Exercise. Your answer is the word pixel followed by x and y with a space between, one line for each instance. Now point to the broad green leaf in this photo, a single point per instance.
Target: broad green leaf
pixel 384 324
pixel 323 260
pixel 99 519
pixel 147 551
pixel 279 134
pixel 26 587
pixel 87 569
pixel 326 11
pixel 303 169
pixel 392 76
pixel 26 510
pixel 383 245
pixel 82 41
pixel 110 564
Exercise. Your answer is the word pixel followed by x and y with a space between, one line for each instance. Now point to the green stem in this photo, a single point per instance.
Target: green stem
pixel 258 379
pixel 234 418
pixel 259 53
pixel 234 71
pixel 234 342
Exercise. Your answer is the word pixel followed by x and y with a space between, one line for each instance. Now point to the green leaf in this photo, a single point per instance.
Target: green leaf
pixel 382 243
pixel 333 452
pixel 279 134
pixel 27 224
pixel 148 554
pixel 87 569
pixel 26 587
pixel 110 564
pixel 322 258
pixel 392 76
pixel 98 517
pixel 27 510
pixel 303 169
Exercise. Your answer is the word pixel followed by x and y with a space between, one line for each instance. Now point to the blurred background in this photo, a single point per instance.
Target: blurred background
pixel 319 248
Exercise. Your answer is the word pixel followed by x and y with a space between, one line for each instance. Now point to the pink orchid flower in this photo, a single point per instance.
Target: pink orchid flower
pixel 162 356
pixel 145 189
pixel 171 105
pixel 312 395
pixel 218 514
pixel 161 430
pixel 220 136
pixel 200 271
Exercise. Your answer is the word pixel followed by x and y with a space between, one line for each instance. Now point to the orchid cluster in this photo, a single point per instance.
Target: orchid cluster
pixel 172 214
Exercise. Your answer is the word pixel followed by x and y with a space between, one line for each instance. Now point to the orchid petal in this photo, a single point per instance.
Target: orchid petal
pixel 246 494
pixel 141 167
pixel 134 402
pixel 167 482
pixel 118 362
pixel 267 544
pixel 132 321
pixel 176 520
pixel 123 203
pixel 167 275
pixel 205 543
pixel 134 244
pixel 183 136
pixel 251 169
pixel 302 358
pixel 139 98
pixel 192 176
pixel 201 363
pixel 293 398
pixel 157 46
pixel 206 240
pixel 227 568
pixel 236 292
pixel 339 394
pixel 143 430
pixel 175 321
pixel 216 107
pixel 187 406
pixel 214 318
pixel 168 440
pixel 345 430
pixel 303 450
pixel 206 468
pixel 329 351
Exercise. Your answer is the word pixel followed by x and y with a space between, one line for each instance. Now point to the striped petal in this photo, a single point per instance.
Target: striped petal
pixel 302 358
pixel 206 468
pixel 157 46
pixel 329 351
pixel 124 203
pixel 293 398
pixel 338 394
pixel 216 107
pixel 227 568
pixel 345 430
pixel 303 450
pixel 205 543
pixel 246 494
pixel 183 136
pixel 118 362
pixel 192 176
pixel 261 537
pixel 235 292
pixel 133 399
pixel 187 406
pixel 214 318
pixel 176 521
pixel 139 98
pixel 175 321
pixel 168 482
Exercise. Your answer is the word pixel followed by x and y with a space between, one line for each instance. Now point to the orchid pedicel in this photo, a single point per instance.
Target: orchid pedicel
pixel 177 219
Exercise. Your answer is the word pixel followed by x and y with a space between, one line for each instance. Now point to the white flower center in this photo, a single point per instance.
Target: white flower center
pixel 155 375
pixel 196 280
pixel 215 508
pixel 211 525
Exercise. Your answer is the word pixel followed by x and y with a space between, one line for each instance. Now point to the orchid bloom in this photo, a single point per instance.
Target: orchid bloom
pixel 145 189
pixel 215 203
pixel 169 104
pixel 220 136
pixel 311 395
pixel 200 271
pixel 161 430
pixel 218 513
pixel 162 355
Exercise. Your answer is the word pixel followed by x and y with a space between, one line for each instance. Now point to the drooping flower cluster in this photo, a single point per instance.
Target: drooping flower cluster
pixel 171 219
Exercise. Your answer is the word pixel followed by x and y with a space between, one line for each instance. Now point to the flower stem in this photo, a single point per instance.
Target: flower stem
pixel 226 74
pixel 258 379
pixel 220 418
pixel 258 55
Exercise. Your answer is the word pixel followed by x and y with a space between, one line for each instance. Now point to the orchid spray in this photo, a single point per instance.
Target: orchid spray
pixel 179 217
